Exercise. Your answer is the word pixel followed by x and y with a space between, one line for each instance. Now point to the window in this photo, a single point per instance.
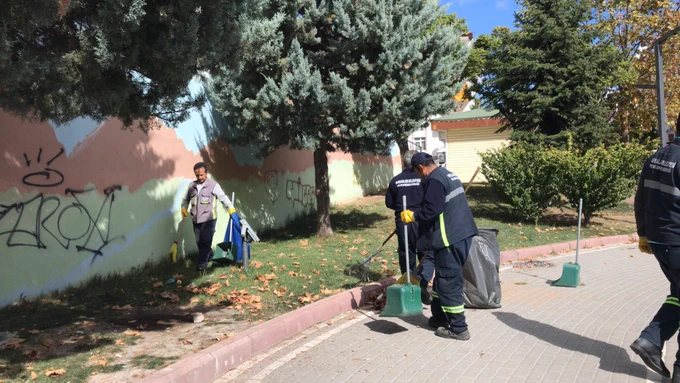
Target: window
pixel 419 143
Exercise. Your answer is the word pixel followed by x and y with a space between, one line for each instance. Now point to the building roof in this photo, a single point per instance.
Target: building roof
pixel 474 114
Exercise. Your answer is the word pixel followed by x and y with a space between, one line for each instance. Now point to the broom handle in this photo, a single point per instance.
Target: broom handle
pixel 179 231
pixel 231 221
pixel 408 264
pixel 578 234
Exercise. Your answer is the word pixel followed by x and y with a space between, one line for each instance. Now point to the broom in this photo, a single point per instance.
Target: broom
pixel 361 268
pixel 173 248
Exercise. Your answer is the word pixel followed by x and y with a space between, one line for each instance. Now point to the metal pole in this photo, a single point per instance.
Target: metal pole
pixel 578 234
pixel 408 264
pixel 660 98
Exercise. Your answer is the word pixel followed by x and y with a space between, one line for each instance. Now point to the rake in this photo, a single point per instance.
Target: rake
pixel 361 268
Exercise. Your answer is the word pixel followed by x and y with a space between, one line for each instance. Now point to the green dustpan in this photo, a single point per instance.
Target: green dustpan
pixel 571 272
pixel 403 300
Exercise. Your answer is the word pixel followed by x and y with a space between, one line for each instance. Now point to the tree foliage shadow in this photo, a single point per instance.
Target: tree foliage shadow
pixel 373 173
pixel 304 225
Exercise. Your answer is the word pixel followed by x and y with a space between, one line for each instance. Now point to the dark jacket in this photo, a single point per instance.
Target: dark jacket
pixel 657 200
pixel 405 183
pixel 444 217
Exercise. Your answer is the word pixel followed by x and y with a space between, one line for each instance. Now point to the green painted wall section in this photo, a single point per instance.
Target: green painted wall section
pixel 50 241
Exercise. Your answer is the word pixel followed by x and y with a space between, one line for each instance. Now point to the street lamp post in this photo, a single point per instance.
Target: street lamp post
pixel 660 95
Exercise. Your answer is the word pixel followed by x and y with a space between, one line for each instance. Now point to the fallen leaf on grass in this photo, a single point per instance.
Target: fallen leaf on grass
pixel 256 264
pixel 34 376
pixel 131 333
pixel 119 342
pixel 143 326
pixel 292 274
pixel 34 331
pixel 52 372
pixel 102 362
pixel 174 298
pixel 277 293
pixel 213 288
pixel 304 242
pixel 158 284
pixel 317 272
pixel 223 276
pixel 296 263
pixel 31 354
pixel 242 276
pixel 118 308
pixel 14 343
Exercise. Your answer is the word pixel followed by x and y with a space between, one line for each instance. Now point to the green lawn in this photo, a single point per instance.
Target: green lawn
pixel 78 327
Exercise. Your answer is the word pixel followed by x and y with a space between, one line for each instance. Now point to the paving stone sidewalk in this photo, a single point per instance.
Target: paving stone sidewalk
pixel 541 334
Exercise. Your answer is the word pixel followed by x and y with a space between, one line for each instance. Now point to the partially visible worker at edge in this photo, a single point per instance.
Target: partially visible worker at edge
pixel 446 226
pixel 408 183
pixel 657 216
pixel 202 195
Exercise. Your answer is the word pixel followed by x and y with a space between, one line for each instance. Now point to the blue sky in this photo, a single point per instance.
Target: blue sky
pixel 483 15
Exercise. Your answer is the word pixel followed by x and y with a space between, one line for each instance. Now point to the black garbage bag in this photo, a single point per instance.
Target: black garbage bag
pixel 482 284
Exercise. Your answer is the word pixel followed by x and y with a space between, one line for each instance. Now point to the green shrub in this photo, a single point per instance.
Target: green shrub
pixel 603 177
pixel 524 176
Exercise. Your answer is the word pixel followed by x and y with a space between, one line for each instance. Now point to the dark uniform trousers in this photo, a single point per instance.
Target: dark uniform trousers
pixel 425 270
pixel 447 293
pixel 204 237
pixel 667 320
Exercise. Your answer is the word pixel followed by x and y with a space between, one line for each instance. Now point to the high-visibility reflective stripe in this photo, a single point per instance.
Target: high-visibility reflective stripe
pixel 442 228
pixel 670 298
pixel 454 194
pixel 662 187
pixel 434 294
pixel 670 302
pixel 454 309
pixel 214 209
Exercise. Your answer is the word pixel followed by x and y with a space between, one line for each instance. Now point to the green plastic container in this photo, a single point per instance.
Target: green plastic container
pixel 225 250
pixel 402 301
pixel 571 275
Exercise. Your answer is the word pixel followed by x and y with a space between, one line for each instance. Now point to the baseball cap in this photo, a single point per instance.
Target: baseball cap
pixel 420 158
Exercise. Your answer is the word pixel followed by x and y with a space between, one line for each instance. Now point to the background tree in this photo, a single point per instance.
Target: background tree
pixel 130 59
pixel 341 75
pixel 551 75
pixel 632 26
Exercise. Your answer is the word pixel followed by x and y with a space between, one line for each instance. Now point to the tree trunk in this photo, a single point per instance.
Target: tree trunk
pixel 323 191
pixel 402 142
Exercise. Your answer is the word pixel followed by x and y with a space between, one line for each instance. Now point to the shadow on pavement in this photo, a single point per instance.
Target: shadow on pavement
pixel 564 339
pixel 385 327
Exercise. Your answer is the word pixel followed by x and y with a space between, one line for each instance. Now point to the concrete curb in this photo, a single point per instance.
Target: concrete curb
pixel 564 247
pixel 216 360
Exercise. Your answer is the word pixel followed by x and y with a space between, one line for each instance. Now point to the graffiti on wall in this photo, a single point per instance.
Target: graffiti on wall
pixel 272 185
pixel 42 221
pixel 71 225
pixel 299 193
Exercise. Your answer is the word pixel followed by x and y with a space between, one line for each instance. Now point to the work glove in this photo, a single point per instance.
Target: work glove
pixel 407 216
pixel 185 213
pixel 643 245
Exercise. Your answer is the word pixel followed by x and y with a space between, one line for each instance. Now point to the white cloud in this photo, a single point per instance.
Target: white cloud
pixel 503 4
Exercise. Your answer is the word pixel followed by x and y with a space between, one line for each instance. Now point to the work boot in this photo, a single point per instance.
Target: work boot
pixel 676 373
pixel 425 296
pixel 445 332
pixel 651 355
pixel 437 322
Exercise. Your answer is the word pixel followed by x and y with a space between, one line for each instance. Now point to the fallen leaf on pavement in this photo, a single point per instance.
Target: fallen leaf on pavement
pixel 187 342
pixel 52 372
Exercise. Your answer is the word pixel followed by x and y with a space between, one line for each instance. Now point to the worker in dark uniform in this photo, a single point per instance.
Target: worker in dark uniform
pixel 407 183
pixel 446 227
pixel 657 215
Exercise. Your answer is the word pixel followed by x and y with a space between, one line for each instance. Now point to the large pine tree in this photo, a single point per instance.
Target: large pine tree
pixel 552 74
pixel 338 75
pixel 131 59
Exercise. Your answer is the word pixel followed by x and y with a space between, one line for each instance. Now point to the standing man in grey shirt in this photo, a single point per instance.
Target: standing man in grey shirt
pixel 203 194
